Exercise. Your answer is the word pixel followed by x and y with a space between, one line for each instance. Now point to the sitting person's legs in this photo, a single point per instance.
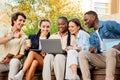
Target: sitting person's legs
pixel 32 69
pixel 86 58
pixel 14 66
pixel 71 65
pixel 59 66
pixel 48 66
pixel 111 58
pixel 4 67
pixel 28 62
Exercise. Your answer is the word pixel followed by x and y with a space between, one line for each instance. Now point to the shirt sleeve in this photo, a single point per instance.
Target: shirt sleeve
pixel 85 44
pixel 22 46
pixel 113 26
pixel 3 31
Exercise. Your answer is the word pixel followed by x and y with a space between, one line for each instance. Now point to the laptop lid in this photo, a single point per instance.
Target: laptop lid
pixel 51 46
pixel 109 43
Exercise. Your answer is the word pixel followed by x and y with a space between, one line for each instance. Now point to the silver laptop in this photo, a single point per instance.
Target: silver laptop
pixel 109 43
pixel 51 46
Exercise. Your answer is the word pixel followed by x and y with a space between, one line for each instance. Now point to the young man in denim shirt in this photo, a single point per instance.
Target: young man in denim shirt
pixel 97 56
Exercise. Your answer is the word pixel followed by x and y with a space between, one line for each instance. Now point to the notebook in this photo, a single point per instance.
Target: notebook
pixel 51 46
pixel 109 43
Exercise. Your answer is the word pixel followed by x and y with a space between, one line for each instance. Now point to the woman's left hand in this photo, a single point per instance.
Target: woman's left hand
pixel 69 47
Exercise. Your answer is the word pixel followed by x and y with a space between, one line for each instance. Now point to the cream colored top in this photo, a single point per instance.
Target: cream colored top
pixel 14 46
pixel 64 39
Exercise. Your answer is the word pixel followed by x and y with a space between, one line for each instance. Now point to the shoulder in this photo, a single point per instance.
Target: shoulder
pixel 82 32
pixel 4 28
pixel 108 22
pixel 54 35
pixel 32 36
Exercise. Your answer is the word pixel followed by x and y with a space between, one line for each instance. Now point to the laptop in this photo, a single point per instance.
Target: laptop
pixel 36 50
pixel 51 46
pixel 109 43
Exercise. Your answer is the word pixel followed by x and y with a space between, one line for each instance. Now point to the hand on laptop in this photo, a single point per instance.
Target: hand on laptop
pixel 64 51
pixel 69 48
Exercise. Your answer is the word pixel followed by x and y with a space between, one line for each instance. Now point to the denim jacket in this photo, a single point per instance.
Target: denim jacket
pixel 83 40
pixel 107 30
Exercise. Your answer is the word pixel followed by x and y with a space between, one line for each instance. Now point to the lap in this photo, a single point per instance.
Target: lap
pixel 4 67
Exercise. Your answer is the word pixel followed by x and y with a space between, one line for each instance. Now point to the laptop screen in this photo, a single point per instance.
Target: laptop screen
pixel 51 46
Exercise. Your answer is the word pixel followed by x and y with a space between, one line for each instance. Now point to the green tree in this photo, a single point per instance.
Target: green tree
pixel 49 9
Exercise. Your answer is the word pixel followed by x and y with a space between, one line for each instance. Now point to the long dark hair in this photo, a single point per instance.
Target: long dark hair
pixel 77 22
pixel 69 37
pixel 39 32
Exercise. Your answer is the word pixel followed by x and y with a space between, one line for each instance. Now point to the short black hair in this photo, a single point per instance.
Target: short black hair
pixel 64 18
pixel 15 17
pixel 92 13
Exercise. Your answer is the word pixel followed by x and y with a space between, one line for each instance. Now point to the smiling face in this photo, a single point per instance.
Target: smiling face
pixel 19 22
pixel 62 25
pixel 73 28
pixel 45 28
pixel 89 20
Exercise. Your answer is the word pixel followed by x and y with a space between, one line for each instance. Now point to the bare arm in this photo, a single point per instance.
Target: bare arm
pixel 19 56
pixel 5 40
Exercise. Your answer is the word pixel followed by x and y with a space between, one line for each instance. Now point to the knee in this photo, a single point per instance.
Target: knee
pixel 14 61
pixel 48 57
pixel 71 52
pixel 35 63
pixel 60 58
pixel 111 52
pixel 83 54
pixel 31 53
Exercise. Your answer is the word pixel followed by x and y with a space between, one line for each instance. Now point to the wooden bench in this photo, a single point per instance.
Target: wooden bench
pixel 97 74
pixel 37 76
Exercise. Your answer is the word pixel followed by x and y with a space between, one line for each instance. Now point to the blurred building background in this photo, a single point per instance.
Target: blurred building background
pixel 106 9
pixel 102 7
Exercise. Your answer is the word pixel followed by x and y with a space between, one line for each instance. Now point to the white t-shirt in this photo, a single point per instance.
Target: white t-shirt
pixel 102 45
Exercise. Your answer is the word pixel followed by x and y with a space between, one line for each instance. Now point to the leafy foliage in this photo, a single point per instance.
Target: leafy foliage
pixel 36 10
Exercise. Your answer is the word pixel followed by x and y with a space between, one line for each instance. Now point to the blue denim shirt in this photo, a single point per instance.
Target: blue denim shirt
pixel 107 30
pixel 83 40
